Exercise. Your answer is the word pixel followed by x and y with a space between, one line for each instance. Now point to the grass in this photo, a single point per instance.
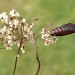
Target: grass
pixel 57 59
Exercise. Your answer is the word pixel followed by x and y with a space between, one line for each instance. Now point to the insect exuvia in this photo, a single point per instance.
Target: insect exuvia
pixel 65 29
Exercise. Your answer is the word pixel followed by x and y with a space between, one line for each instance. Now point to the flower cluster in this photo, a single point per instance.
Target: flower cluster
pixel 14 28
pixel 48 39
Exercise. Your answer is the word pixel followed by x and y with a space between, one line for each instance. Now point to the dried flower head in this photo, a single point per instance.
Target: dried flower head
pixel 48 39
pixel 14 28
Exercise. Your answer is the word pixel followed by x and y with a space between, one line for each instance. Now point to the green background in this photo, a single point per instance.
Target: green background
pixel 57 59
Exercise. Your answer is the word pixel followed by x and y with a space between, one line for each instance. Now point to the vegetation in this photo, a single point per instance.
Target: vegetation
pixel 56 59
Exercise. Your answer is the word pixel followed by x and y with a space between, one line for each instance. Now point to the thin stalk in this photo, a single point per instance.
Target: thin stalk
pixel 37 58
pixel 17 56
pixel 37 55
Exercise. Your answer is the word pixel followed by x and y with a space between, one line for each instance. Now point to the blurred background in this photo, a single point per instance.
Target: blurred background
pixel 56 59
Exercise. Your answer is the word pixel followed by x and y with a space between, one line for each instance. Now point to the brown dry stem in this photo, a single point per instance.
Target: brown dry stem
pixel 17 56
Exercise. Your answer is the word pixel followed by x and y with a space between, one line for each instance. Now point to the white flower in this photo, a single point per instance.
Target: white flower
pixel 47 42
pixel 28 30
pixel 31 26
pixel 8 48
pixel 9 41
pixel 10 22
pixel 13 13
pixel 3 14
pixel 17 14
pixel 45 35
pixel 23 20
pixel 22 49
pixel 11 25
pixel 25 35
pixel 15 22
pixel 3 30
pixel 14 29
pixel 4 27
pixel 25 28
pixel 4 17
pixel 8 31
pixel 42 36
pixel 9 37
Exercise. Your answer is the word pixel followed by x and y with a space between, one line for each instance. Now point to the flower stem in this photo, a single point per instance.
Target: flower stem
pixel 37 58
pixel 17 56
